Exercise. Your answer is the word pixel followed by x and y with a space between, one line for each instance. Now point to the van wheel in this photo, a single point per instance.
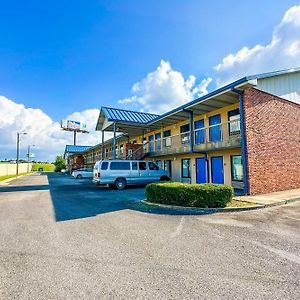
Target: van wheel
pixel 79 176
pixel 164 178
pixel 120 183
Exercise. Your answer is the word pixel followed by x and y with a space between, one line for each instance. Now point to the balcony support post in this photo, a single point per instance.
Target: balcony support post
pixel 191 131
pixel 115 141
pixel 243 139
pixel 102 145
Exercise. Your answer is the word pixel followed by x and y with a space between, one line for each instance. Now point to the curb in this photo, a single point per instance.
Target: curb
pixel 196 210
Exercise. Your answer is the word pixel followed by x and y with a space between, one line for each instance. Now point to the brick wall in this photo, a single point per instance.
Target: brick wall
pixel 272 128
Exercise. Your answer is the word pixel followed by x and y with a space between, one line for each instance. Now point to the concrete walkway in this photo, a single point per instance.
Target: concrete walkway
pixel 272 198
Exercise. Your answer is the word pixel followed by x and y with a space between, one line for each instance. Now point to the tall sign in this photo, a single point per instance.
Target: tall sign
pixel 75 126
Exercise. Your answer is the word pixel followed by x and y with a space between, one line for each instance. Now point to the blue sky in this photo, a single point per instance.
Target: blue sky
pixel 66 55
pixel 66 59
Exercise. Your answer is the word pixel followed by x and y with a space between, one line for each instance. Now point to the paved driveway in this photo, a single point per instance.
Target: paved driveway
pixel 67 239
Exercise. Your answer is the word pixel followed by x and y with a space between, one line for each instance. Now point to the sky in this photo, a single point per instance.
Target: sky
pixel 66 59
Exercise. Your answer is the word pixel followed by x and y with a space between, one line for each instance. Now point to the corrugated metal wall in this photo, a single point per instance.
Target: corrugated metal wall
pixel 285 86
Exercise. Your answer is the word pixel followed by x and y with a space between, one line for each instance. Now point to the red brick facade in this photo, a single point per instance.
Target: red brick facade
pixel 272 130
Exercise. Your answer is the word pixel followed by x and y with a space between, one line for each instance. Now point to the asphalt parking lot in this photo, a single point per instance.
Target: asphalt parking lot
pixel 63 238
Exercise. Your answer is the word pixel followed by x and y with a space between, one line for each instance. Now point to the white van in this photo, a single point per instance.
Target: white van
pixel 119 173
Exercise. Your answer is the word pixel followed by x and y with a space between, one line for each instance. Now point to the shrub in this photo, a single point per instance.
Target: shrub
pixel 59 163
pixel 190 195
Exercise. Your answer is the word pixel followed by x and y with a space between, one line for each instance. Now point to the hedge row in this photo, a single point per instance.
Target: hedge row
pixel 190 195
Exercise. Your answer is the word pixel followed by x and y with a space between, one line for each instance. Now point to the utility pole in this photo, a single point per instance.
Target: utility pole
pixel 28 157
pixel 18 150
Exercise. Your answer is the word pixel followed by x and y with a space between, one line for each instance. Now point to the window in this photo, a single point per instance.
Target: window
pixel 142 166
pixel 234 122
pixel 134 165
pixel 158 162
pixel 237 168
pixel 168 166
pixel 167 138
pixel 157 142
pixel 104 165
pixel 153 166
pixel 185 168
pixel 185 134
pixel 199 132
pixel 215 134
pixel 120 165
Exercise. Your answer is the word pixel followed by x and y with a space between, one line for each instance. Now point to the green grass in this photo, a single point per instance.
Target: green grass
pixel 46 167
pixel 11 176
pixel 236 203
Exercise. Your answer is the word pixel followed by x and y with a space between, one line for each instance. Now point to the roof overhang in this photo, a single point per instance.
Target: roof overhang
pixel 217 99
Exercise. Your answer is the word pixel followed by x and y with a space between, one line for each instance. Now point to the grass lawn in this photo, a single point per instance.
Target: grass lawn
pixel 11 176
pixel 45 167
pixel 235 203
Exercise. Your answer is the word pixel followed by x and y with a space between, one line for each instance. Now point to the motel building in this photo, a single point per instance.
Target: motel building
pixel 245 134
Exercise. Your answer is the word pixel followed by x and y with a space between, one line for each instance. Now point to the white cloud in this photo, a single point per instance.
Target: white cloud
pixel 43 132
pixel 164 89
pixel 282 52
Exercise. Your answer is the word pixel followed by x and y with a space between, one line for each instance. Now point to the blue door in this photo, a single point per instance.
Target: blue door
pixel 199 132
pixel 201 170
pixel 217 175
pixel 215 130
pixel 151 143
pixel 158 141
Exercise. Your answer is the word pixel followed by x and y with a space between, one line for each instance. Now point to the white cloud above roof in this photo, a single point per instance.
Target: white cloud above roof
pixel 282 52
pixel 164 89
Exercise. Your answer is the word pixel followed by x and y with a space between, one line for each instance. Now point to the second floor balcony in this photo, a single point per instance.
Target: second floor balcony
pixel 215 137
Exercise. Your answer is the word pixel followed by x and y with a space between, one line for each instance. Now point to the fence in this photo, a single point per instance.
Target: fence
pixel 11 169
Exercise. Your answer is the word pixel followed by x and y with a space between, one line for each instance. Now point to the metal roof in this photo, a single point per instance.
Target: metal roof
pixel 75 149
pixel 123 115
pixel 220 97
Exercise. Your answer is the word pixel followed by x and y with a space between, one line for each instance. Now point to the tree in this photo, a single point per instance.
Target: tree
pixel 59 163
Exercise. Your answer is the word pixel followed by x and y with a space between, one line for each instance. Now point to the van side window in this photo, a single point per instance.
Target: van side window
pixel 104 165
pixel 142 165
pixel 153 166
pixel 120 165
pixel 134 165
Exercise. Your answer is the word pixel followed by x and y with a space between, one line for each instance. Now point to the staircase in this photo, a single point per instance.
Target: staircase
pixel 140 153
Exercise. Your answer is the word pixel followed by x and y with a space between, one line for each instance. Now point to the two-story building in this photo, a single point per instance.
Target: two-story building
pixel 245 134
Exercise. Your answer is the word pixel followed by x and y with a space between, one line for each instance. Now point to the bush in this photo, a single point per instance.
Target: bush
pixel 59 164
pixel 190 195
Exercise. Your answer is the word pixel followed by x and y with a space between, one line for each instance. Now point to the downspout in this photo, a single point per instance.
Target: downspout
pixel 243 139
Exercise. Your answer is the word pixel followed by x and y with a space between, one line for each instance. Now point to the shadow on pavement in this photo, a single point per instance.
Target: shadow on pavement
pixel 24 188
pixel 74 199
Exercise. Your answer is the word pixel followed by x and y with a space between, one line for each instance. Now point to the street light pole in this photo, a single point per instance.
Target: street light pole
pixel 18 150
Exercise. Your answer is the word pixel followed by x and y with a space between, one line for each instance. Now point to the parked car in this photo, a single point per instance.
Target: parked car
pixel 82 173
pixel 119 173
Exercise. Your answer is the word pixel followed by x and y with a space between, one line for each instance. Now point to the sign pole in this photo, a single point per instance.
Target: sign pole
pixel 74 137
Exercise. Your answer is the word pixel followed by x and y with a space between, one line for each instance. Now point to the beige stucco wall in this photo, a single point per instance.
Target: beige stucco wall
pixel 11 169
pixel 176 164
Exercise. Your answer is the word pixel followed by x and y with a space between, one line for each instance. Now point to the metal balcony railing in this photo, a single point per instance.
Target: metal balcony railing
pixel 219 136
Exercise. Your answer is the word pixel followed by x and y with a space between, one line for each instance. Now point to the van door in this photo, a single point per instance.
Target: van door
pixel 134 176
pixel 143 172
pixel 154 174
